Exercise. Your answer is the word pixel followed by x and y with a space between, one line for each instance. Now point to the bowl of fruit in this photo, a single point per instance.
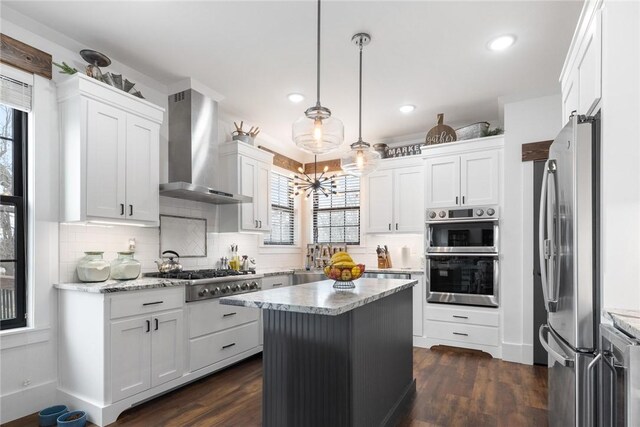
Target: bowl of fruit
pixel 343 270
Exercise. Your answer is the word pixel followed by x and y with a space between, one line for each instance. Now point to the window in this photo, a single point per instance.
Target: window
pixel 13 132
pixel 336 218
pixel 282 216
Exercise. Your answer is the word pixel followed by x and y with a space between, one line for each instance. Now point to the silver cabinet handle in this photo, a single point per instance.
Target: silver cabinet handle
pixel 460 333
pixel 460 317
pixel 560 358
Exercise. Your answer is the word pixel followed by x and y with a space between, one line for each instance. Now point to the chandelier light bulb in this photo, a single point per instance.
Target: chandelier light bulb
pixel 360 159
pixel 317 129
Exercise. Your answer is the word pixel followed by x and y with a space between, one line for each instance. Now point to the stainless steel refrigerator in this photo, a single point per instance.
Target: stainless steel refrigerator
pixel 568 242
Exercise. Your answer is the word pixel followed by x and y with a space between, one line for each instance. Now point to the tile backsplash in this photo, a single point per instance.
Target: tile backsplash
pixel 75 239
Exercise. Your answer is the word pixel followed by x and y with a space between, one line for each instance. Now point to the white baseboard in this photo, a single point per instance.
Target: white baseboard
pixel 518 353
pixel 27 401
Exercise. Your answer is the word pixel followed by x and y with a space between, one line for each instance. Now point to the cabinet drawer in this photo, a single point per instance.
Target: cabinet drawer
pixel 484 335
pixel 209 316
pixel 212 348
pixel 279 281
pixel 462 315
pixel 133 303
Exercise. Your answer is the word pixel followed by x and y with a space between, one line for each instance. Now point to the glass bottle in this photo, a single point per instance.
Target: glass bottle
pixel 93 267
pixel 125 267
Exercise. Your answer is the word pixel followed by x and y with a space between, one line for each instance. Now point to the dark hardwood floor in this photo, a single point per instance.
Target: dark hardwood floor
pixel 455 387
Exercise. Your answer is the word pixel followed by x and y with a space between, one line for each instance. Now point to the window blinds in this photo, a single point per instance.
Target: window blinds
pixel 282 215
pixel 336 218
pixel 15 94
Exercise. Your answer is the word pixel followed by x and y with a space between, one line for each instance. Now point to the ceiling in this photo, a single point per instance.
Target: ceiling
pixel 254 53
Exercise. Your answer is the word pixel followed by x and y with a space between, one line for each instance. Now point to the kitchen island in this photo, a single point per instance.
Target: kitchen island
pixel 335 357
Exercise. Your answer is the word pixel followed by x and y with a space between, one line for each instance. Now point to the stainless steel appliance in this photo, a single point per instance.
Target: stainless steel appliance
pixel 568 239
pixel 462 230
pixel 208 284
pixel 620 397
pixel 462 256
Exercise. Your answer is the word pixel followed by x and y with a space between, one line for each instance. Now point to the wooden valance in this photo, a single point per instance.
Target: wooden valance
pixel 535 151
pixel 283 162
pixel 333 165
pixel 25 57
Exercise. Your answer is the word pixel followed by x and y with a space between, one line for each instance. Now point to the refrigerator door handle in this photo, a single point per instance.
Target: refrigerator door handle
pixel 591 391
pixel 560 358
pixel 544 245
pixel 614 385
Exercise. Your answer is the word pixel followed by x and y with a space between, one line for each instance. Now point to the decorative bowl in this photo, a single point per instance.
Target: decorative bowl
pixel 344 275
pixel 73 419
pixel 48 416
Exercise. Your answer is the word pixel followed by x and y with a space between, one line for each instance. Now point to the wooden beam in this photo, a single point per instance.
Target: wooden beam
pixel 333 165
pixel 282 161
pixel 25 57
pixel 535 151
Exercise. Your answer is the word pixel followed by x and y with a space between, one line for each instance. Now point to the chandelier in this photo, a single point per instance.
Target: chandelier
pixel 317 132
pixel 307 185
pixel 361 159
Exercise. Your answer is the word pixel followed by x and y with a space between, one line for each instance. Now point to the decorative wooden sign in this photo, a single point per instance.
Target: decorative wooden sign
pixel 441 133
pixel 405 150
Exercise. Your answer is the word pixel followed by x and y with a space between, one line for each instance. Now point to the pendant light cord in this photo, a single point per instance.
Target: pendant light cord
pixel 360 96
pixel 318 60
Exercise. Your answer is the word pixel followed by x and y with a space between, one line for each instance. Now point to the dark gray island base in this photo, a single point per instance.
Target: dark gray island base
pixel 350 369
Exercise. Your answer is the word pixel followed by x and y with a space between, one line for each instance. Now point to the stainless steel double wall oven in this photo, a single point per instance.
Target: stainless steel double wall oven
pixel 462 262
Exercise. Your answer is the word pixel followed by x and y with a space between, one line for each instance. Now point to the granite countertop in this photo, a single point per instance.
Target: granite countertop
pixel 320 297
pixel 121 285
pixel 626 320
pixel 275 271
pixel 395 270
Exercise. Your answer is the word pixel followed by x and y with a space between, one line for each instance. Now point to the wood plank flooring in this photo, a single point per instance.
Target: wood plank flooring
pixel 455 387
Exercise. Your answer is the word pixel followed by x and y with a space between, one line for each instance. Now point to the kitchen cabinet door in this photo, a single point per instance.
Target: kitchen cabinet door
pixel 142 177
pixel 418 305
pixel 130 357
pixel 589 68
pixel 106 154
pixel 167 347
pixel 380 202
pixel 570 96
pixel 263 194
pixel 248 177
pixel 442 182
pixel 479 178
pixel 408 205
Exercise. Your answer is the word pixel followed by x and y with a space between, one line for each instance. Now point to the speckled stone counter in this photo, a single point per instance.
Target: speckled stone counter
pixel 395 270
pixel 275 271
pixel 626 320
pixel 121 285
pixel 320 297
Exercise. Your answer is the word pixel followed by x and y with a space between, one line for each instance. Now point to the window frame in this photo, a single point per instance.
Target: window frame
pixel 315 210
pixel 289 209
pixel 19 201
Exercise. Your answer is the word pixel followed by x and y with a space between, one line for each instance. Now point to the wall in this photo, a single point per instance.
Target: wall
pixel 525 121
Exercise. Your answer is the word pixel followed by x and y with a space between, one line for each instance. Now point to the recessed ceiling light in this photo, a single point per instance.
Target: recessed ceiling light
pixel 502 42
pixel 295 97
pixel 407 108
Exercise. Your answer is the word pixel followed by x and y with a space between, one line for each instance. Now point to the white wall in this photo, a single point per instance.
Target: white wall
pixel 525 121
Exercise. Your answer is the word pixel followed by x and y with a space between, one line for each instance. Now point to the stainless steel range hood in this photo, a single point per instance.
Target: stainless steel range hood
pixel 193 131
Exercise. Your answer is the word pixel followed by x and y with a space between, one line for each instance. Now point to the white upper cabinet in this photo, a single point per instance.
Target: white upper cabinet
pixel 581 78
pixel 246 170
pixel 443 182
pixel 470 179
pixel 395 199
pixel 479 176
pixel 110 153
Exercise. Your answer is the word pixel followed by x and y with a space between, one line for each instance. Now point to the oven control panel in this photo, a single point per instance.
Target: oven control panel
pixel 196 292
pixel 462 214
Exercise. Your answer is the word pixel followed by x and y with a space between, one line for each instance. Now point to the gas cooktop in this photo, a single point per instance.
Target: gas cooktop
pixel 202 274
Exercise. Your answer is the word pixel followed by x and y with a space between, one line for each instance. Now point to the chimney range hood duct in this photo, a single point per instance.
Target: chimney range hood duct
pixel 193 130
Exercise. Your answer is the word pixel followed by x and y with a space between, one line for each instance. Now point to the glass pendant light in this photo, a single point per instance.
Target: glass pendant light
pixel 317 132
pixel 361 159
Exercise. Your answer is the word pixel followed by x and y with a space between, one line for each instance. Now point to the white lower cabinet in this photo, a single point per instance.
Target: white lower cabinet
pixel 167 347
pixel 461 326
pixel 131 360
pixel 218 332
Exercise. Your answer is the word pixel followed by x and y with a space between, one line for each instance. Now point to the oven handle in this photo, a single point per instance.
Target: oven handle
pixel 461 254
